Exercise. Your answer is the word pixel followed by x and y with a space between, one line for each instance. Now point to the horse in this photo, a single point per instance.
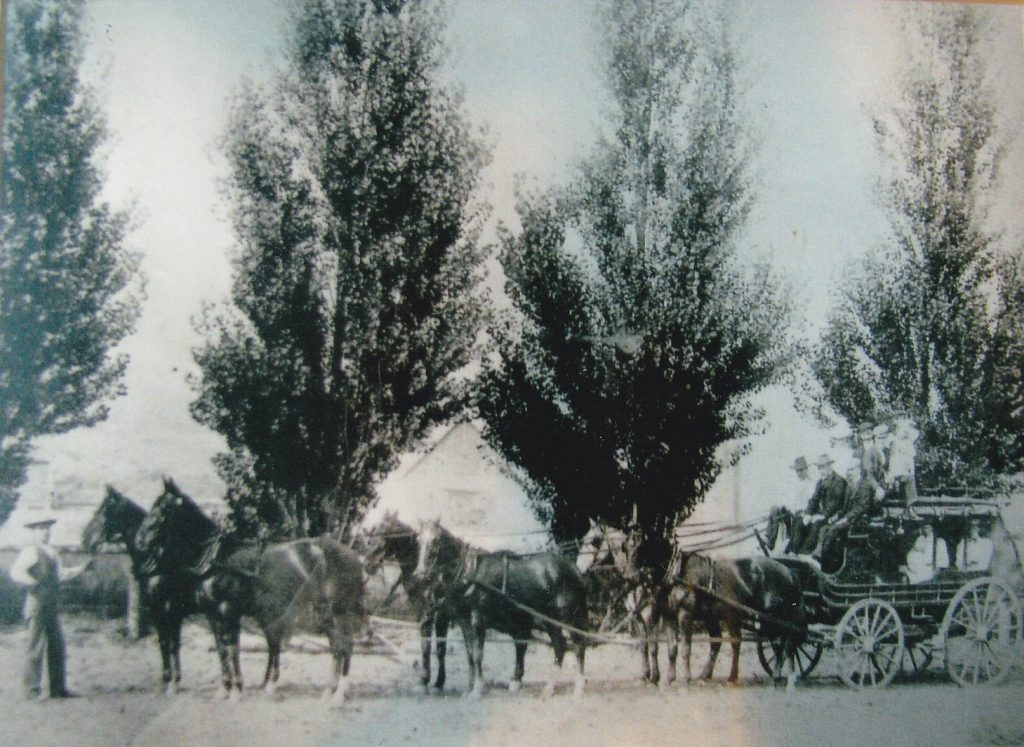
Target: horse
pixel 514 594
pixel 393 540
pixel 116 521
pixel 311 584
pixel 732 594
pixel 190 565
pixel 173 548
pixel 611 548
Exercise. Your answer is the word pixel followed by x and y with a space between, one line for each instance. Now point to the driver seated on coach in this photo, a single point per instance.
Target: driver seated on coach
pixel 866 496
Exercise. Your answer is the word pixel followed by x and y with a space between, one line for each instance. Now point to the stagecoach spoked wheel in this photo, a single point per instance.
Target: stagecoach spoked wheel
pixel 869 644
pixel 981 633
pixel 770 650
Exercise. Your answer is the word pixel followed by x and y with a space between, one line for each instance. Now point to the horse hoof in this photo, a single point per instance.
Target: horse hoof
pixel 224 693
pixel 171 690
pixel 579 688
pixel 235 695
pixel 514 686
pixel 548 691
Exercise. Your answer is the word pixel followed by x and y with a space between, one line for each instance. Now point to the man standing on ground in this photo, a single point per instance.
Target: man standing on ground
pixel 37 568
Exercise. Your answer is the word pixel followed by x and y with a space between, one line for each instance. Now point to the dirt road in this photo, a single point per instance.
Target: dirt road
pixel 121 704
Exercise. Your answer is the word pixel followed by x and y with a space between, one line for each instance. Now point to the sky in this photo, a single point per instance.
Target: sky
pixel 165 71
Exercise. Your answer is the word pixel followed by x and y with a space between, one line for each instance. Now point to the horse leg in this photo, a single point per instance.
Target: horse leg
pixel 441 648
pixel 479 636
pixel 735 634
pixel 341 641
pixel 470 641
pixel 273 672
pixel 651 622
pixel 517 675
pixel 176 652
pixel 685 623
pixel 236 663
pixel 166 657
pixel 580 645
pixel 671 622
pixel 645 661
pixel 715 632
pixel 558 644
pixel 426 629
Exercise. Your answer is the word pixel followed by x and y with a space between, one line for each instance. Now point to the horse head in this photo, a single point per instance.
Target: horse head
pixel 390 539
pixel 780 519
pixel 117 519
pixel 176 535
pixel 440 553
pixel 605 545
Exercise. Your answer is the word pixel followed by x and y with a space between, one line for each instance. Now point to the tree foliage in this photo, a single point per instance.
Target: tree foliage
pixel 637 335
pixel 69 289
pixel 915 331
pixel 356 299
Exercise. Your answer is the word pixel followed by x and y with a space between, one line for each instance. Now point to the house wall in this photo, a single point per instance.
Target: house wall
pixel 462 482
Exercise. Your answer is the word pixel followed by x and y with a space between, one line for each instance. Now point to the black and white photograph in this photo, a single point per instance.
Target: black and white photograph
pixel 511 372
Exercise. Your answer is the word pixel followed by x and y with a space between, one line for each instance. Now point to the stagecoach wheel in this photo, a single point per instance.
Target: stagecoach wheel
pixel 981 633
pixel 869 644
pixel 808 653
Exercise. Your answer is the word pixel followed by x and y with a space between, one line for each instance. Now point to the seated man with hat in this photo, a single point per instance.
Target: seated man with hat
pixel 38 568
pixel 804 489
pixel 831 495
pixel 864 499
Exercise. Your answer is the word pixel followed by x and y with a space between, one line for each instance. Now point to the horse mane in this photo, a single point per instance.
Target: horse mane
pixel 176 536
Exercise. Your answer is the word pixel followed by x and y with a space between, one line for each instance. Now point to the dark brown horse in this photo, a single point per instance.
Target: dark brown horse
pixel 116 521
pixel 734 595
pixel 189 565
pixel 174 547
pixel 514 594
pixel 312 584
pixel 393 540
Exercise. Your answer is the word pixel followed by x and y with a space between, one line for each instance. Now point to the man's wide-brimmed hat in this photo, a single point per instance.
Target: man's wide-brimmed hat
pixel 824 460
pixel 799 464
pixel 866 427
pixel 40 521
pixel 881 430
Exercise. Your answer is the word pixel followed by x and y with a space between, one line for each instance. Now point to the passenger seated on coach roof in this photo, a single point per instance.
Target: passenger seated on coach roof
pixel 899 472
pixel 865 497
pixel 804 493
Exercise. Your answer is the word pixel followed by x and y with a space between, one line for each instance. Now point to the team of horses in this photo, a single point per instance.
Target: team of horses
pixel 185 564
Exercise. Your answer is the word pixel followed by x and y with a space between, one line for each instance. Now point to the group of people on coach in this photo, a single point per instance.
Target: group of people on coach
pixel 884 470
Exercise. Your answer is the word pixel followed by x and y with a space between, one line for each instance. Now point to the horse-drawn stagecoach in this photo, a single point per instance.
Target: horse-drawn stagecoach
pixel 879 615
pixel 872 610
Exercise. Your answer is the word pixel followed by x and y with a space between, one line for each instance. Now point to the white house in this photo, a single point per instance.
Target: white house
pixel 464 483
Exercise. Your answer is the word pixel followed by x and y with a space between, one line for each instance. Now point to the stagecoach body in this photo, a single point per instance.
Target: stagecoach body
pixel 877 620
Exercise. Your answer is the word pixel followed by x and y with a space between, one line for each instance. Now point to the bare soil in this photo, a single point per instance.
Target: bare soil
pixel 121 702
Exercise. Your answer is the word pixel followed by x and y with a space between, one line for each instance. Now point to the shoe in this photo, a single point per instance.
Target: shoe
pixel 33 694
pixel 60 694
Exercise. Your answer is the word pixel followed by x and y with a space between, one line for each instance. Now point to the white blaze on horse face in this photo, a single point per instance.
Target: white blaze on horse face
pixel 428 535
pixel 588 549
